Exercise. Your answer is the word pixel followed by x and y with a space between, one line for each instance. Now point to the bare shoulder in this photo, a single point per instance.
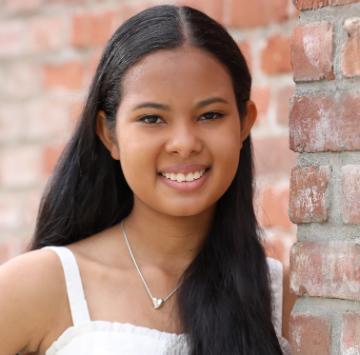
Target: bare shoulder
pixel 30 285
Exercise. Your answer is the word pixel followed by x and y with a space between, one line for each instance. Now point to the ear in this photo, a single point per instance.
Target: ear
pixel 248 121
pixel 106 135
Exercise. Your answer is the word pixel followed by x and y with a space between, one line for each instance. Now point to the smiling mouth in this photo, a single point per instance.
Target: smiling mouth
pixel 184 178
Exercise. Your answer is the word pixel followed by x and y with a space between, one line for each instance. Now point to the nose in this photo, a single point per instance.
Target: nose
pixel 184 140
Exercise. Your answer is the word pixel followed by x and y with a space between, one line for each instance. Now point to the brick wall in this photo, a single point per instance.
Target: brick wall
pixel 325 184
pixel 48 52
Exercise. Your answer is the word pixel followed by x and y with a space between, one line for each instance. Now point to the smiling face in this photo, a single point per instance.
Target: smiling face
pixel 178 113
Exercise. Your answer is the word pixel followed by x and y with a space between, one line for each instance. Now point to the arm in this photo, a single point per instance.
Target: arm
pixel 23 302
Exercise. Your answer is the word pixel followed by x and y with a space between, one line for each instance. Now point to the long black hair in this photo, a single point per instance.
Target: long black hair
pixel 224 300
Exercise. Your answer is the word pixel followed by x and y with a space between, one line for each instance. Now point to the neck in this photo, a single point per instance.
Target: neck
pixel 167 242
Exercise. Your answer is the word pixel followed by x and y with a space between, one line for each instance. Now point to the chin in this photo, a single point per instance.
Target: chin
pixel 187 210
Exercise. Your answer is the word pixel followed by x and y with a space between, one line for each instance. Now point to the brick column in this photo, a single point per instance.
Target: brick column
pixel 325 184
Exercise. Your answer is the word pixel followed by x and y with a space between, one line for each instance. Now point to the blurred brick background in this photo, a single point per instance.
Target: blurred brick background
pixel 49 50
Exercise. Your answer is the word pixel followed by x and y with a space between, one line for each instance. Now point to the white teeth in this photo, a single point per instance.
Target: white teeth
pixel 184 177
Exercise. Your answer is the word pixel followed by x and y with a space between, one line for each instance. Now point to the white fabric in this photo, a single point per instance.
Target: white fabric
pixel 112 338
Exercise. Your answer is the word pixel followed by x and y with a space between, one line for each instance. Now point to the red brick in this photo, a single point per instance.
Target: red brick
pixel 10 210
pixel 20 79
pixel 351 193
pixel 213 8
pixel 313 4
pixel 278 244
pixel 76 108
pixel 308 194
pixel 13 40
pixel 273 206
pixel 5 251
pixel 272 156
pixel 350 333
pixel 275 57
pixel 325 123
pixel 245 48
pixel 64 75
pixel 20 166
pixel 261 96
pixel 283 104
pixel 91 64
pixel 91 29
pixel 310 334
pixel 350 56
pixel 31 201
pixel 20 6
pixel 11 122
pixel 129 9
pixel 242 13
pixel 47 119
pixel 312 52
pixel 47 33
pixel 326 269
pixel 51 154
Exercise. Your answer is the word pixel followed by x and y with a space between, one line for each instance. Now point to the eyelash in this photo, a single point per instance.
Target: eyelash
pixel 218 114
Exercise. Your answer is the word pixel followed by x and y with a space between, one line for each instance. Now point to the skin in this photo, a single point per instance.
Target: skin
pixel 166 224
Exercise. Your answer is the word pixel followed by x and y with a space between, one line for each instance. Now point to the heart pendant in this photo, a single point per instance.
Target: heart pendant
pixel 157 302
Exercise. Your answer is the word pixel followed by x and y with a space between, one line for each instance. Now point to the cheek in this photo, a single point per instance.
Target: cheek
pixel 137 161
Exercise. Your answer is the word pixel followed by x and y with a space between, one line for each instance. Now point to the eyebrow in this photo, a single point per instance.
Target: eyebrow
pixel 164 107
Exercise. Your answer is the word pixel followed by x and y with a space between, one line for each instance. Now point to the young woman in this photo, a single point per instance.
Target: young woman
pixel 146 240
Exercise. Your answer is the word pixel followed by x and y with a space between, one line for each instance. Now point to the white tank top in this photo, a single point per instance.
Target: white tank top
pixel 97 337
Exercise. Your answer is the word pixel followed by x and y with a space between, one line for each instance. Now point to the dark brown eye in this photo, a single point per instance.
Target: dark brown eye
pixel 149 119
pixel 212 115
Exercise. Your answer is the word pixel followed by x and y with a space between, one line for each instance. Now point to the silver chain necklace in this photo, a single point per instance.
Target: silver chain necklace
pixel 157 302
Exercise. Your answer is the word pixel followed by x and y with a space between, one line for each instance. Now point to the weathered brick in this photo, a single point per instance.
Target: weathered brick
pixel 47 33
pixel 213 8
pixel 10 210
pixel 243 13
pixel 277 244
pixel 91 64
pixel 275 57
pixel 310 334
pixel 308 194
pixel 11 122
pixel 312 52
pixel 326 269
pixel 13 40
pixel 273 206
pixel 46 119
pixel 91 29
pixel 20 6
pixel 20 80
pixel 350 56
pixel 31 201
pixel 314 4
pixel 51 155
pixel 32 35
pixel 272 156
pixel 20 166
pixel 351 193
pixel 325 123
pixel 350 333
pixel 283 103
pixel 68 75
pixel 245 48
pixel 261 96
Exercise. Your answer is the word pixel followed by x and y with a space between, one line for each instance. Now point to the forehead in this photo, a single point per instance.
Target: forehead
pixel 185 71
